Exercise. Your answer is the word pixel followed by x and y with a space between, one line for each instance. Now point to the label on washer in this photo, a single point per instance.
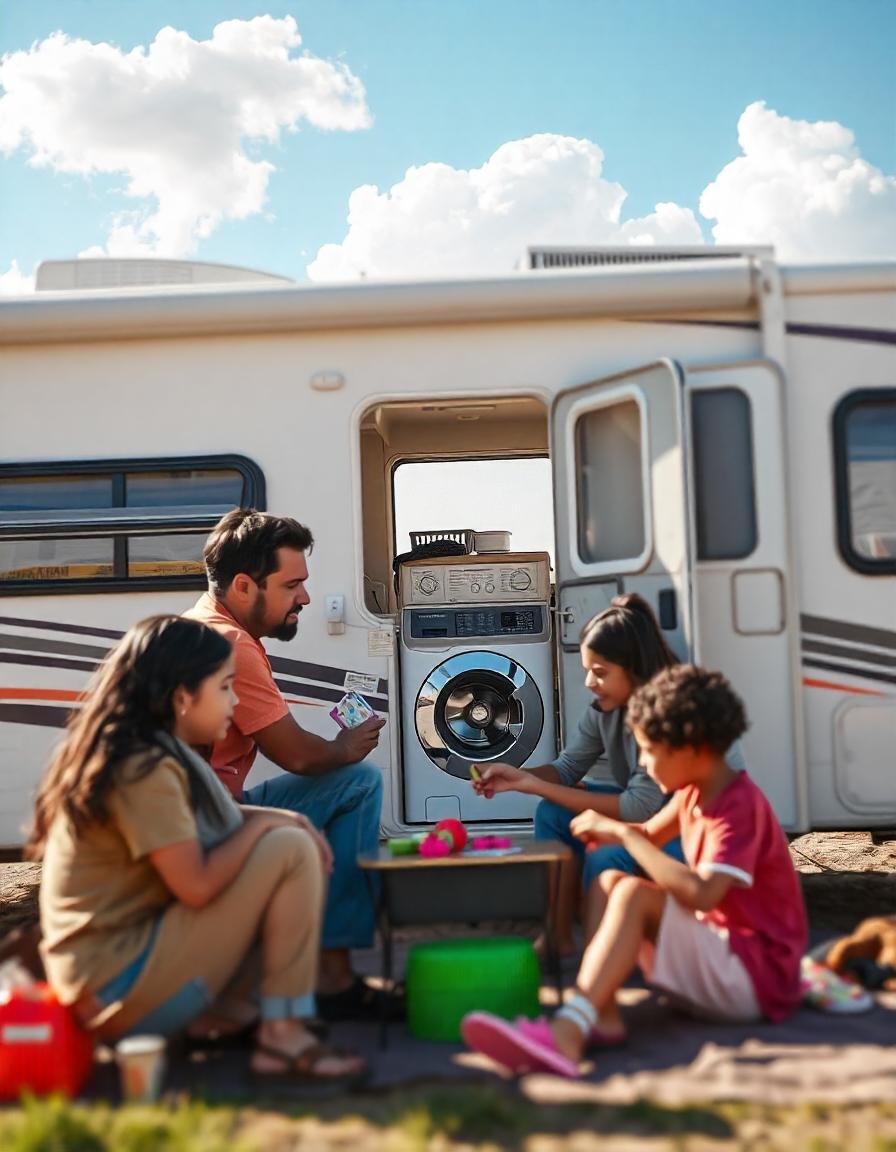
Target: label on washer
pixel 360 682
pixel 380 642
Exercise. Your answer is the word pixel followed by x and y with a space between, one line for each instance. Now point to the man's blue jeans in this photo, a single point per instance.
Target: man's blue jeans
pixel 552 823
pixel 345 805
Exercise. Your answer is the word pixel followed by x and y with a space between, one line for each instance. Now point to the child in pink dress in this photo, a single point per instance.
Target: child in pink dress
pixel 723 933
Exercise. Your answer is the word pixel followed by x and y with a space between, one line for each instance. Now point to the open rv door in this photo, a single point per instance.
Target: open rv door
pixel 672 483
pixel 620 510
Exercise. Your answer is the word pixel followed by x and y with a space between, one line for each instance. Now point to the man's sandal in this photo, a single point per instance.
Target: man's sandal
pixel 306 1067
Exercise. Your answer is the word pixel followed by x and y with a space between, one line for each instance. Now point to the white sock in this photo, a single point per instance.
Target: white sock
pixel 579 1010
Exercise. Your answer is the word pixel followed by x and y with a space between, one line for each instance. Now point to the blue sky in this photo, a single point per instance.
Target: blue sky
pixel 657 86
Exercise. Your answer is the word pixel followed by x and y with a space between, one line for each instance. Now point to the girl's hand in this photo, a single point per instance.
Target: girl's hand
pixel 500 777
pixel 283 818
pixel 592 828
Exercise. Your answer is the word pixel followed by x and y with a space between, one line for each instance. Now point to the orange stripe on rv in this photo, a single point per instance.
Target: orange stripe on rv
pixel 834 687
pixel 40 694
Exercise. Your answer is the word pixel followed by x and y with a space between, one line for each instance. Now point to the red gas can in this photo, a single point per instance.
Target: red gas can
pixel 43 1048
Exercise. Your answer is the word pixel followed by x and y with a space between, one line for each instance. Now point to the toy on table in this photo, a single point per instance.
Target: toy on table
pixel 490 843
pixel 448 836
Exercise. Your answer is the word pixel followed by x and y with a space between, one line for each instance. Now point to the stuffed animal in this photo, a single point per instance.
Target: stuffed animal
pixel 869 954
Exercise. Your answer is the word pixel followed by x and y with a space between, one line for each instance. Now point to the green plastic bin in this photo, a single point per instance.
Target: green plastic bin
pixel 446 979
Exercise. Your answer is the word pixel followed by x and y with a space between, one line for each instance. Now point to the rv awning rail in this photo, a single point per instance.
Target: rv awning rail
pixel 121 314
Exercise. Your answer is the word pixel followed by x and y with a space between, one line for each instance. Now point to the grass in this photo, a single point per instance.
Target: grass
pixel 440 1119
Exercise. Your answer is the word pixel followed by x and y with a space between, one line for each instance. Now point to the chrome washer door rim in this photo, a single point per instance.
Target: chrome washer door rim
pixel 478 706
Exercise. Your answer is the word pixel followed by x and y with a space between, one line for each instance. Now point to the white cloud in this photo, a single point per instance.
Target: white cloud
pixel 175 119
pixel 14 282
pixel 804 187
pixel 441 221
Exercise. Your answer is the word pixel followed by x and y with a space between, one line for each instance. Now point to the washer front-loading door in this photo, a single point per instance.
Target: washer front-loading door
pixel 478 706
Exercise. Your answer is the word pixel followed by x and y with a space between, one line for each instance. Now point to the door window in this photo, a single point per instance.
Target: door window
pixel 865 459
pixel 725 496
pixel 610 479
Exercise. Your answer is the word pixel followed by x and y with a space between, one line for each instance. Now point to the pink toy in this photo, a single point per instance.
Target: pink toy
pixel 489 843
pixel 448 836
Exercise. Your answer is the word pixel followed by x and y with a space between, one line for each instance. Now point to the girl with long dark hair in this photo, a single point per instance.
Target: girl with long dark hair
pixel 158 891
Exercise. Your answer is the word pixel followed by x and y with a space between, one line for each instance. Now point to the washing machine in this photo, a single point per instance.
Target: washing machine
pixel 477 680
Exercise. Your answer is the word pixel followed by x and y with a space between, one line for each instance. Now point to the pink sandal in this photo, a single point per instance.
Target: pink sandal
pixel 525 1046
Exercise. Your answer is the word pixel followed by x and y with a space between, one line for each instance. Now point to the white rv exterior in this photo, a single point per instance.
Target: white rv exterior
pixel 722 436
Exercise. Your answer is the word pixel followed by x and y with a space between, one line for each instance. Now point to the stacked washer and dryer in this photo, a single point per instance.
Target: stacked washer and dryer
pixel 477 680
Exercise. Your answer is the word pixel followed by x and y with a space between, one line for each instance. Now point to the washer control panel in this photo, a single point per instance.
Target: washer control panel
pixel 467 623
pixel 476 579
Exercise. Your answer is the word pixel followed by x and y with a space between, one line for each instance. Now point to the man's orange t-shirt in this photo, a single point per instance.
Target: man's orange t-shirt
pixel 260 700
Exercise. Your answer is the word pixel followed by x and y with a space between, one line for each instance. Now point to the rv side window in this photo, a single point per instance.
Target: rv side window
pixel 865 468
pixel 725 496
pixel 112 524
pixel 610 516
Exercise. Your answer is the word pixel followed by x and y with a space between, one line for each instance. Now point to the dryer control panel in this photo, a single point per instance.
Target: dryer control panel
pixel 523 576
pixel 471 623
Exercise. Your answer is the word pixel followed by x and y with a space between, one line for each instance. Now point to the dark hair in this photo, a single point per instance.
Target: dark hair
pixel 247 541
pixel 627 633
pixel 128 700
pixel 688 706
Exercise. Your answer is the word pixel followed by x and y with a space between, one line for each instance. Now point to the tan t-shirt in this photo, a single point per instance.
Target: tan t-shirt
pixel 100 895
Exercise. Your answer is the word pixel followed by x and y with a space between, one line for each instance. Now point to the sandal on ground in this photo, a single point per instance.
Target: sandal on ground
pixel 308 1066
pixel 361 1001
pixel 526 1046
pixel 243 1036
pixel 824 989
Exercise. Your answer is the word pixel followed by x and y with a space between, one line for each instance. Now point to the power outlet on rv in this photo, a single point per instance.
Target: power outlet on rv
pixel 334 613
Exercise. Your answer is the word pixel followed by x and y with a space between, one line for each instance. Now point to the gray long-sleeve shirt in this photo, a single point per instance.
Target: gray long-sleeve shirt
pixel 605 733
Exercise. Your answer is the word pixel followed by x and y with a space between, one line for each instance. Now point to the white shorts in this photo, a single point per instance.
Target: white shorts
pixel 692 961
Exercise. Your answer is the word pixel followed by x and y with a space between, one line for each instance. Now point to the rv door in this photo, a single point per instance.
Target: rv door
pixel 672 483
pixel 620 511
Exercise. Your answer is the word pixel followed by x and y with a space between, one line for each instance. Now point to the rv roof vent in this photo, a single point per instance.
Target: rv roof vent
pixel 140 272
pixel 576 257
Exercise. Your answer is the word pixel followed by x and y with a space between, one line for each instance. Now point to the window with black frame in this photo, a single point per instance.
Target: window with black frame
pixel 865 465
pixel 82 525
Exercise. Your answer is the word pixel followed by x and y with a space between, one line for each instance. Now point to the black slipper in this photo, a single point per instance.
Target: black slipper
pixel 361 1001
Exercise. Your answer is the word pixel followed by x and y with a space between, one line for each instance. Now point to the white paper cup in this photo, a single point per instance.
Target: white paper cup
pixel 141 1066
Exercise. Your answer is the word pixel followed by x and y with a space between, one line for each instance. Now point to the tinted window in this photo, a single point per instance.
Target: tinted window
pixel 56 559
pixel 721 421
pixel 610 480
pixel 865 449
pixel 139 510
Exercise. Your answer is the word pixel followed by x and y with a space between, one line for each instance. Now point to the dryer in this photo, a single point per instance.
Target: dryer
pixel 477 680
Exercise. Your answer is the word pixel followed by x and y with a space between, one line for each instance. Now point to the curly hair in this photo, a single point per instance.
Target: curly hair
pixel 688 706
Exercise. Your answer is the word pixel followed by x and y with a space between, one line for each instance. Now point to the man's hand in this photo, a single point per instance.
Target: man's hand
pixel 283 818
pixel 355 744
pixel 592 828
pixel 501 777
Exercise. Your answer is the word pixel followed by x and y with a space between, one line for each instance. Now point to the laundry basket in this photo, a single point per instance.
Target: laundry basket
pixel 446 979
pixel 458 535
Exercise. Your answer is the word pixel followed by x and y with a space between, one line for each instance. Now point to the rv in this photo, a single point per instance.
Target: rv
pixel 714 431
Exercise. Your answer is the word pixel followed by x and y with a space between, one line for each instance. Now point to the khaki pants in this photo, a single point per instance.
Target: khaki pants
pixel 275 901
